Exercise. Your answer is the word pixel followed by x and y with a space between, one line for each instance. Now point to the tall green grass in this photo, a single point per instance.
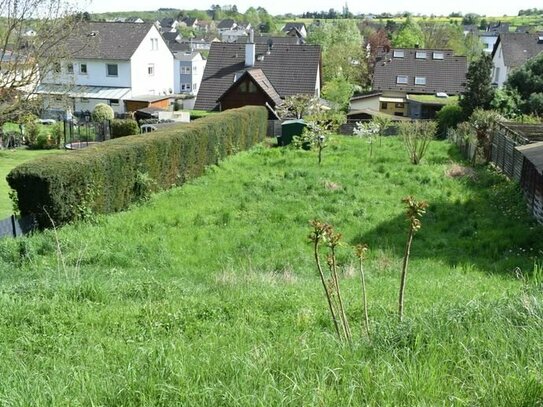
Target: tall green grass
pixel 207 295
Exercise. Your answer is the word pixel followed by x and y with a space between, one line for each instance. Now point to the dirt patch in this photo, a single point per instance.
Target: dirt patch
pixel 332 186
pixel 459 171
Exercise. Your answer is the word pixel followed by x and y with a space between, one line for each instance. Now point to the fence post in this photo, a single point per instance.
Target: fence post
pixel 13 228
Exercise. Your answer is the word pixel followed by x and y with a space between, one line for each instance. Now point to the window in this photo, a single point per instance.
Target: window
pixel 83 69
pixel 384 105
pixel 114 102
pixel 84 100
pixel 56 67
pixel 185 86
pixel 185 69
pixel 252 87
pixel 497 75
pixel 401 79
pixel 70 68
pixel 420 55
pixel 151 69
pixel 112 70
pixel 194 86
pixel 398 53
pixel 194 69
pixel 154 44
pixel 438 55
pixel 420 80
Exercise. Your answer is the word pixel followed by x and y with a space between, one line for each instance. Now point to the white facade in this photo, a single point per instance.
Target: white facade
pixel 188 72
pixel 149 71
pixel 488 41
pixel 500 71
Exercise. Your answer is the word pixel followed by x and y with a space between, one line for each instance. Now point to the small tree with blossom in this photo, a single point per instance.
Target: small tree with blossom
pixel 367 130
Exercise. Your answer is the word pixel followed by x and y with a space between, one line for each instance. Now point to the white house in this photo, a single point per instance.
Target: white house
pixel 126 65
pixel 511 51
pixel 188 71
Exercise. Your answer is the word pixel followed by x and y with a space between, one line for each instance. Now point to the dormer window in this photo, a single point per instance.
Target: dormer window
pixel 438 55
pixel 402 79
pixel 420 55
pixel 398 53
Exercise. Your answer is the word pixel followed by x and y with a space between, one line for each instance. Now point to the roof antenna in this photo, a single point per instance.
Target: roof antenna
pixel 270 45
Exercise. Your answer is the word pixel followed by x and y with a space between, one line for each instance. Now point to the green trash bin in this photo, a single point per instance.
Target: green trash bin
pixel 289 129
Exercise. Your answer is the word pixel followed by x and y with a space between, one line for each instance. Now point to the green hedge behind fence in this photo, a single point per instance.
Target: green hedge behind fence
pixel 110 176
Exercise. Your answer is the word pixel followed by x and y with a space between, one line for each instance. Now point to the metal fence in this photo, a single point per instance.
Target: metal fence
pixel 14 226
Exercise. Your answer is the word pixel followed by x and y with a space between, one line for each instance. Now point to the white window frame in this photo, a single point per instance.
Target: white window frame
pixel 398 53
pixel 116 68
pixel 194 86
pixel 402 79
pixel 114 102
pixel 151 69
pixel 83 69
pixel 420 54
pixel 420 80
pixel 154 44
pixel 70 67
pixel 438 55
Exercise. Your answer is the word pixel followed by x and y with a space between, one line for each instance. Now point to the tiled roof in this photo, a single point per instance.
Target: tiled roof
pixel 118 41
pixel 441 75
pixel 290 26
pixel 291 69
pixel 517 48
pixel 227 23
pixel 265 39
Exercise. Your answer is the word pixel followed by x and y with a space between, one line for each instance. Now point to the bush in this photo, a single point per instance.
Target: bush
pixel 124 127
pixel 110 176
pixel 448 118
pixel 102 112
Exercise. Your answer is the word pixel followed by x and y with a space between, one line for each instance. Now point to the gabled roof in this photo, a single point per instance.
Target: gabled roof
pixel 290 26
pixel 291 69
pixel 258 77
pixel 441 75
pixel 517 48
pixel 171 36
pixel 226 24
pixel 98 40
pixel 189 21
pixel 265 40
pixel 167 22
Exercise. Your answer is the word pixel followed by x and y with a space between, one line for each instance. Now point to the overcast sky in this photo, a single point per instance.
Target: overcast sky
pixel 428 7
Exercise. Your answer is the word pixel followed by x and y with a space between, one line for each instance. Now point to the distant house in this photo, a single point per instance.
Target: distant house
pixel 270 40
pixel 226 24
pixel 294 28
pixel 125 65
pixel 232 35
pixel 189 22
pixel 167 24
pixel 417 82
pixel 511 51
pixel 133 20
pixel 188 71
pixel 258 74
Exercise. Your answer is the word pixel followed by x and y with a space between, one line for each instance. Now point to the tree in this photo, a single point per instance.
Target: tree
pixel 528 83
pixel 479 91
pixel 26 56
pixel 484 122
pixel 409 35
pixel 339 91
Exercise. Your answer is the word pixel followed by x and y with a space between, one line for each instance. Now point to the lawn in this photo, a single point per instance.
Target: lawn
pixel 8 160
pixel 207 295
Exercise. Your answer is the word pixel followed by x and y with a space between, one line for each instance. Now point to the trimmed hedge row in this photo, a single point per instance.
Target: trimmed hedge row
pixel 124 127
pixel 110 176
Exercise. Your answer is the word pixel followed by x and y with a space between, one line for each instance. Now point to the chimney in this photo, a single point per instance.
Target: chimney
pixel 250 50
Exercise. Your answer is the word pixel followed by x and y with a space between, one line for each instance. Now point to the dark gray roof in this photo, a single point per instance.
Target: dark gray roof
pixel 290 26
pixel 291 69
pixel 167 22
pixel 118 41
pixel 170 36
pixel 442 75
pixel 265 40
pixel 517 48
pixel 226 24
pixel 189 21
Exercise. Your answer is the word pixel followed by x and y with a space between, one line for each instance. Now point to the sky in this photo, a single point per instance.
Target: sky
pixel 428 7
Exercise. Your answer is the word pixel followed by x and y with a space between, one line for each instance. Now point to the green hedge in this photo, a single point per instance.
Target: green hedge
pixel 124 127
pixel 108 177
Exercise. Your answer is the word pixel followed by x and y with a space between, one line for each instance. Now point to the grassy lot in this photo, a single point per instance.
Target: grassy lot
pixel 8 160
pixel 207 294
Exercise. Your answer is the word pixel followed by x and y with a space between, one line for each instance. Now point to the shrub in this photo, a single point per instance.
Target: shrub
pixel 416 137
pixel 124 127
pixel 55 186
pixel 448 118
pixel 102 112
